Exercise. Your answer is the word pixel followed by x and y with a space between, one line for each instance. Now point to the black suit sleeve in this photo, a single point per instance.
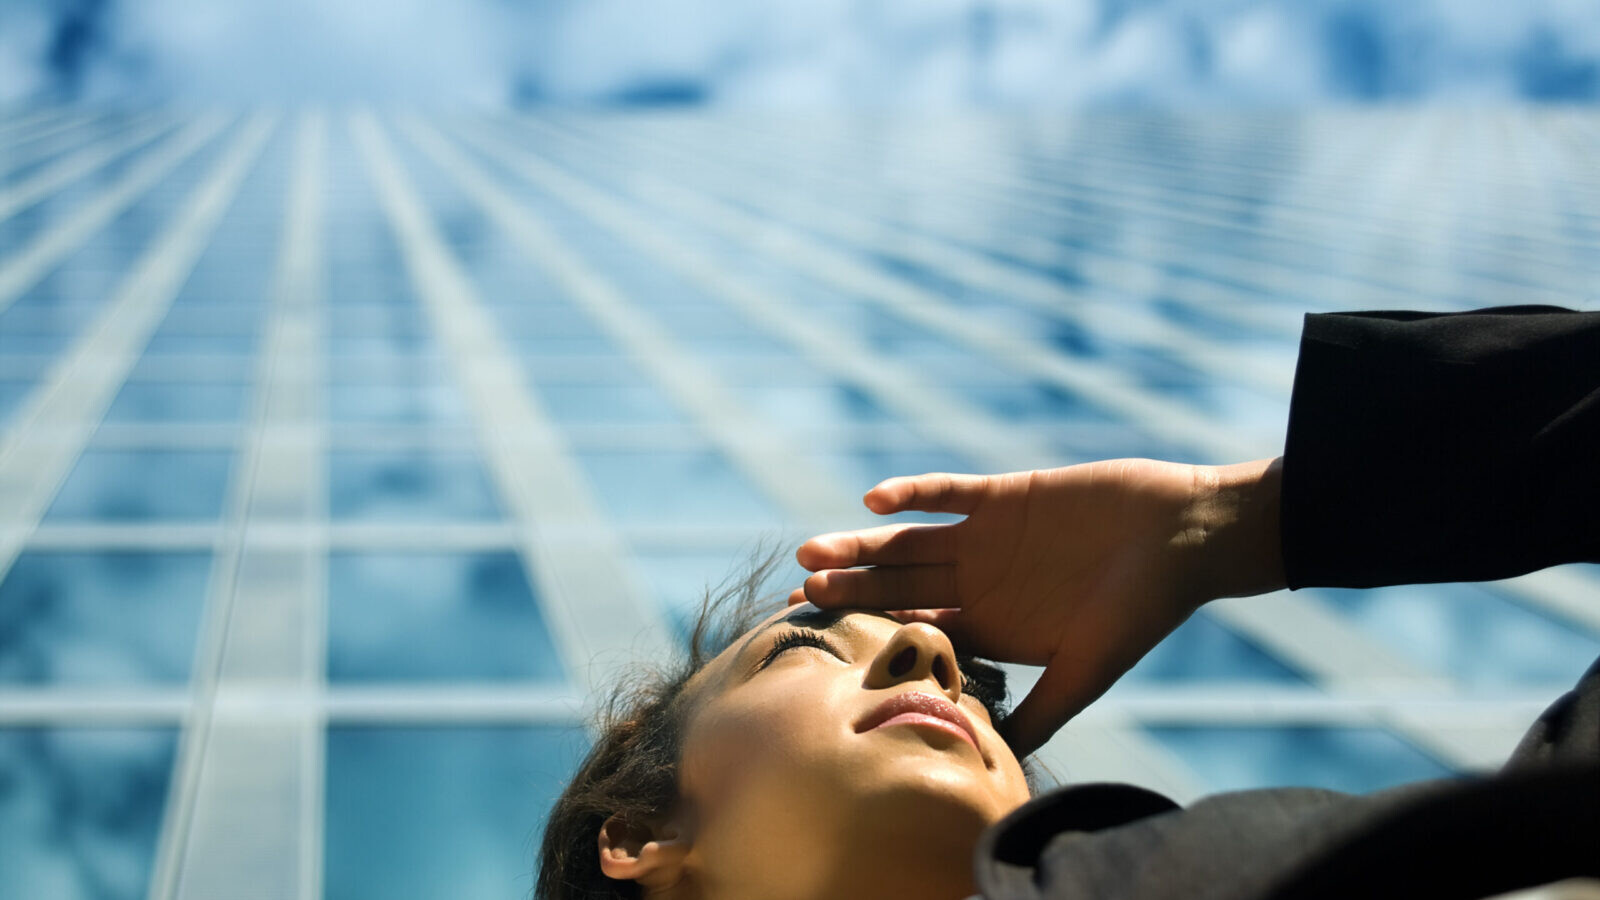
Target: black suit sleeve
pixel 1425 447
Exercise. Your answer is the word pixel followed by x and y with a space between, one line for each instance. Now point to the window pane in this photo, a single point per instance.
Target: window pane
pixel 675 486
pixel 139 485
pixel 1476 636
pixel 1341 759
pixel 1202 649
pixel 678 581
pixel 435 616
pixel 13 392
pixel 107 617
pixel 408 484
pixel 143 401
pixel 622 404
pixel 402 403
pixel 43 343
pixel 813 405
pixel 1028 401
pixel 80 810
pixel 447 813
pixel 221 344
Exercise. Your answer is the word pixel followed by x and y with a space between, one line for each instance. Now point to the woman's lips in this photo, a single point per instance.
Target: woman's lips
pixel 918 708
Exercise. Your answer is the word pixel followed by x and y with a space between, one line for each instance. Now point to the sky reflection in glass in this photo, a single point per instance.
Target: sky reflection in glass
pixel 446 813
pixel 1356 760
pixel 142 401
pixel 107 617
pixel 1475 635
pixel 675 487
pixel 144 486
pixel 435 617
pixel 400 402
pixel 80 810
pixel 408 485
pixel 1151 250
pixel 1202 649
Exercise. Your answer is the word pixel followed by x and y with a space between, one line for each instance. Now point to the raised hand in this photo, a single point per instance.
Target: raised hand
pixel 1080 569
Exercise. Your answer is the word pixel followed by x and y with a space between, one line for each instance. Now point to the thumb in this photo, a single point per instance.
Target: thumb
pixel 1063 690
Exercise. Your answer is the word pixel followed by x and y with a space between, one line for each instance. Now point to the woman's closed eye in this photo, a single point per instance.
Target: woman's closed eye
pixel 798 638
pixel 981 689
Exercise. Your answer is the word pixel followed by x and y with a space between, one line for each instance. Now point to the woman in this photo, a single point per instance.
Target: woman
pixel 834 751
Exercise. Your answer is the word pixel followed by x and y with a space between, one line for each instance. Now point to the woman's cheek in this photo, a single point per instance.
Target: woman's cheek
pixel 775 735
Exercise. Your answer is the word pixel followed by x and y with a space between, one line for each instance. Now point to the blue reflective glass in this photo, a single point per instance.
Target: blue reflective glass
pixel 13 392
pixel 1471 633
pixel 675 487
pixel 750 342
pixel 408 484
pixel 379 368
pixel 36 314
pixel 950 365
pixel 678 582
pixel 1202 649
pixel 812 405
pixel 80 810
pixel 888 333
pixel 1027 401
pixel 143 485
pixel 201 317
pixel 213 367
pixel 696 318
pixel 561 345
pixel 147 401
pixel 920 275
pixel 535 320
pixel 1356 760
pixel 428 616
pixel 393 343
pixel 1197 320
pixel 43 343
pixel 366 319
pixel 110 617
pixel 447 813
pixel 180 342
pixel 402 402
pixel 621 404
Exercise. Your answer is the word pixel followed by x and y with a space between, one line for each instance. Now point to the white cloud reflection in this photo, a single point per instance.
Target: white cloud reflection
pixel 818 53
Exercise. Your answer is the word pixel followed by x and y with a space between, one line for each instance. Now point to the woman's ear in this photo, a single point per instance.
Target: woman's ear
pixel 651 853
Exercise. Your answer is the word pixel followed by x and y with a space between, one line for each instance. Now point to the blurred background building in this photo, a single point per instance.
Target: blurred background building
pixel 374 384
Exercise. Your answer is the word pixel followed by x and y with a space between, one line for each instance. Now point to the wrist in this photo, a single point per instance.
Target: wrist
pixel 1236 509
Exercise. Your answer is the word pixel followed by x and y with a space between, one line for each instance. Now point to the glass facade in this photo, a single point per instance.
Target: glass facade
pixel 343 455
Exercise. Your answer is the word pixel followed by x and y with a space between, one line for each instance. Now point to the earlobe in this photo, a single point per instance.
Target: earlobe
pixel 651 853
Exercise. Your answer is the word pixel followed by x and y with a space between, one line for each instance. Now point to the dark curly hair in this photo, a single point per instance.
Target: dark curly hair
pixel 632 769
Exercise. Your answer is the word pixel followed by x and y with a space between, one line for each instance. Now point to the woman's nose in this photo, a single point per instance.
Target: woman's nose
pixel 917 652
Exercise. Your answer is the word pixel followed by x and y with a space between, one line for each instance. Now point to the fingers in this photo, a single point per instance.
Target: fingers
pixel 950 621
pixel 886 545
pixel 936 492
pixel 890 587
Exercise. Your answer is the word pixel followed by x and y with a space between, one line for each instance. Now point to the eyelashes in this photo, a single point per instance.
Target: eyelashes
pixel 985 683
pixel 982 681
pixel 792 639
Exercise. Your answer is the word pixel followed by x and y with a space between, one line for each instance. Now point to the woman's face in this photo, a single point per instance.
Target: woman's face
pixel 835 755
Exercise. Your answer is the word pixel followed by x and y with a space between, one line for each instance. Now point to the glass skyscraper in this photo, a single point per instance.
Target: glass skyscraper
pixel 344 454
